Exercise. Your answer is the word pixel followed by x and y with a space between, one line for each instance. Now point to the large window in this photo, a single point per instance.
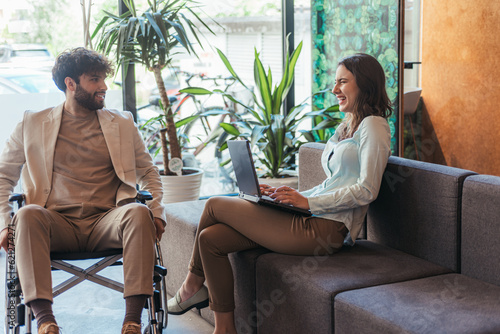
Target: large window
pixel 31 37
pixel 240 26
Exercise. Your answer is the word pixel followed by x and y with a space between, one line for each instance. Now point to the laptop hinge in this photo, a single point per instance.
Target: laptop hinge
pixel 250 198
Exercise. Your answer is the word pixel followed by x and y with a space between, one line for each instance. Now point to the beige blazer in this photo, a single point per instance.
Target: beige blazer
pixel 29 153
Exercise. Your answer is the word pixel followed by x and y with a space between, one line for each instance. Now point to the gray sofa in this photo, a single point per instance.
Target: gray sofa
pixel 428 262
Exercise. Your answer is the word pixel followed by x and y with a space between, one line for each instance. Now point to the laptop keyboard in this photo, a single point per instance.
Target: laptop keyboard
pixel 267 198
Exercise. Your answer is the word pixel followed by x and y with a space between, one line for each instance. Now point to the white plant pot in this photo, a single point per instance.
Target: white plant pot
pixel 182 188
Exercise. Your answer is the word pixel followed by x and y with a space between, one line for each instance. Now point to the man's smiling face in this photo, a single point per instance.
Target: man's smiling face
pixel 91 91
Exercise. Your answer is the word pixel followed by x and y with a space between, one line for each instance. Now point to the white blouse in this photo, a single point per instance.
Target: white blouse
pixel 354 169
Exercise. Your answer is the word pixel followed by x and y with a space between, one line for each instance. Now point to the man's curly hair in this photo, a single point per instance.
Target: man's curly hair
pixel 75 62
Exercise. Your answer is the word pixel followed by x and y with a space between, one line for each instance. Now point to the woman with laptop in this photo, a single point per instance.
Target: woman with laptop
pixel 354 161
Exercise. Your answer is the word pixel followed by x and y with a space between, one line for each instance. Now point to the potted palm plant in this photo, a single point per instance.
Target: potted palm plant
pixel 151 38
pixel 274 135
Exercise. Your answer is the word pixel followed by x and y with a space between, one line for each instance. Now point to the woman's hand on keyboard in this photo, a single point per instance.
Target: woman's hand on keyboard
pixel 288 195
pixel 266 190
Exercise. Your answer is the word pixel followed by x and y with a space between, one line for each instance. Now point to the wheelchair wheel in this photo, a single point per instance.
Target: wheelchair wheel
pixel 16 313
pixel 151 330
pixel 156 316
pixel 157 304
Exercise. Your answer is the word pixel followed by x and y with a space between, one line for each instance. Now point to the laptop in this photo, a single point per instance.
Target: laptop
pixel 244 169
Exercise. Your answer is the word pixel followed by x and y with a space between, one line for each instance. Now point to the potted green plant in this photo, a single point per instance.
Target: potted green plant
pixel 274 134
pixel 151 38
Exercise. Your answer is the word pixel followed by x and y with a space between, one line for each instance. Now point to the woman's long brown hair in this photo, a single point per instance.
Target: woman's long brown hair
pixel 372 99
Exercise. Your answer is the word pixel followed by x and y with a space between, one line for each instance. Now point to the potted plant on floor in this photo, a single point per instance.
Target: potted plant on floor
pixel 274 135
pixel 151 38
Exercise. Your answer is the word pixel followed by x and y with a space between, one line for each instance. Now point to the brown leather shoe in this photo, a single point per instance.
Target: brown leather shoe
pixel 131 327
pixel 48 328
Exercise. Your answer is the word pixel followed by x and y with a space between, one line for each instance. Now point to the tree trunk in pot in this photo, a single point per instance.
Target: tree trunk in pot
pixel 175 151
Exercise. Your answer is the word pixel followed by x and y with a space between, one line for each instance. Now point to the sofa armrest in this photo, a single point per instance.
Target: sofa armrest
pixel 310 170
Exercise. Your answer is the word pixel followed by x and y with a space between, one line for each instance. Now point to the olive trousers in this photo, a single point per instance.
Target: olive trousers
pixel 230 224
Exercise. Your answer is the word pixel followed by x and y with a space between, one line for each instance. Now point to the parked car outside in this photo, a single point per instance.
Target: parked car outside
pixel 26 81
pixel 26 55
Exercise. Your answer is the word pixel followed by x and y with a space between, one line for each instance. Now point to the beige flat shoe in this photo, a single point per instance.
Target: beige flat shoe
pixel 198 300
pixel 48 328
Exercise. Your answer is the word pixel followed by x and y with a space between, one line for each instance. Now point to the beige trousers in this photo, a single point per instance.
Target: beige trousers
pixel 40 231
pixel 230 224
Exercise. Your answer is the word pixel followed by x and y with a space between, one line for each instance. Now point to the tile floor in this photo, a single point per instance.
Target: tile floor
pixel 88 308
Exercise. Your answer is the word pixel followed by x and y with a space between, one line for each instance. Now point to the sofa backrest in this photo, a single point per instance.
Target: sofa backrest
pixel 481 228
pixel 418 210
pixel 310 170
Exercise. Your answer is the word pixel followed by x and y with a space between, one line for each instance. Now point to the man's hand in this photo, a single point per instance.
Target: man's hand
pixel 4 239
pixel 160 229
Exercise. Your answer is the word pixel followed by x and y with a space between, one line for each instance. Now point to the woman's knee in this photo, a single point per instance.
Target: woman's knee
pixel 222 202
pixel 219 207
pixel 210 239
pixel 212 203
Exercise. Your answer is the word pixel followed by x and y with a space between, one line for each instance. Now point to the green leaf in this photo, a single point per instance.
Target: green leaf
pixel 231 129
pixel 154 25
pixel 230 67
pixel 326 124
pixel 196 91
pixel 334 108
pixel 292 116
pixel 186 120
pixel 257 133
pixel 262 83
pixel 308 135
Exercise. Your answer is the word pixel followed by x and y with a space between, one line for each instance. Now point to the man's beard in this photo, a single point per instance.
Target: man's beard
pixel 86 99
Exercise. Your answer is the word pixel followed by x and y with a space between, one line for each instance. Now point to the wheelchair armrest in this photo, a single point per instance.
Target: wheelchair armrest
pixel 143 196
pixel 16 197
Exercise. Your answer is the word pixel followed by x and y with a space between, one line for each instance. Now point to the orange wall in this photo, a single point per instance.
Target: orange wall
pixel 460 79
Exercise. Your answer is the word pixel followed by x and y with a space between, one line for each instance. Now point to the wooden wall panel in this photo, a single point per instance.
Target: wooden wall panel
pixel 461 83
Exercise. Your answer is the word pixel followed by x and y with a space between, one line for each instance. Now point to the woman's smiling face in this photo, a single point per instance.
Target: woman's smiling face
pixel 346 90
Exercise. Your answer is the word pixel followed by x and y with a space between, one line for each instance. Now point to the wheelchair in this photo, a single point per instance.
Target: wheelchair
pixel 17 314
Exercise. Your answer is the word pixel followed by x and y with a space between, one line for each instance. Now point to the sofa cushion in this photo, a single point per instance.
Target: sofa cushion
pixel 481 228
pixel 243 264
pixel 450 303
pixel 418 210
pixel 311 172
pixel 295 293
pixel 245 315
pixel 178 240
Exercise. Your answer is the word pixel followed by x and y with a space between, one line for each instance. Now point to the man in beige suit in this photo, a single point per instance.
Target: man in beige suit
pixel 79 165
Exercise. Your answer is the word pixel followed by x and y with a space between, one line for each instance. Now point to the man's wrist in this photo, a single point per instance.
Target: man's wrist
pixel 164 223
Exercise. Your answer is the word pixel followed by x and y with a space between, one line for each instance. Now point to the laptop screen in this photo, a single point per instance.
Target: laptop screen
pixel 244 168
